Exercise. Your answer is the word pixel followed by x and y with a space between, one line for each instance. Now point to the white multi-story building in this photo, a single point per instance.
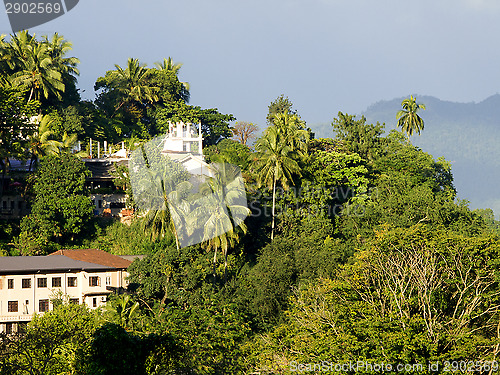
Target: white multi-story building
pixel 184 144
pixel 28 283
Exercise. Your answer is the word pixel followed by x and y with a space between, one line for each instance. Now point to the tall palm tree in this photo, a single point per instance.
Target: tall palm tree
pixel 33 67
pixel 408 119
pixel 292 131
pixel 275 163
pixel 57 48
pixel 132 84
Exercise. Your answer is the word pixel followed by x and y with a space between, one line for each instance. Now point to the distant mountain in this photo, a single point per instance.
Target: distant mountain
pixel 466 134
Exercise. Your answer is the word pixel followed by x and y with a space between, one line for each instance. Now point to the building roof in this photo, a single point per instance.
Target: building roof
pixel 94 256
pixel 33 264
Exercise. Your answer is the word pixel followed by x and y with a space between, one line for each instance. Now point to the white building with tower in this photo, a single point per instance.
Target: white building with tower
pixel 184 144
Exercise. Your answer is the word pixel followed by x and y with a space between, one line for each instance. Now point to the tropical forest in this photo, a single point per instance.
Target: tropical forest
pixel 353 254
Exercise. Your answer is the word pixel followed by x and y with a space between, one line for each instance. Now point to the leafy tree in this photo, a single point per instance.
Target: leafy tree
pixel 52 343
pixel 130 84
pixel 229 151
pixel 60 209
pixel 214 125
pixel 15 127
pixel 282 105
pixel 41 143
pixel 359 137
pixel 408 119
pixel 122 310
pixel 403 290
pixel 169 83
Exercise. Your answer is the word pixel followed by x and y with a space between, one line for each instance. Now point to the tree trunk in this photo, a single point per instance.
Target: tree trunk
pixel 274 205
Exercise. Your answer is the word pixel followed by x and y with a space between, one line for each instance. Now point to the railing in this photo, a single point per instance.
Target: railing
pixel 16 318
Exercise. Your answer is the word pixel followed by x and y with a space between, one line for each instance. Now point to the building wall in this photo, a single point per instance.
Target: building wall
pixel 28 299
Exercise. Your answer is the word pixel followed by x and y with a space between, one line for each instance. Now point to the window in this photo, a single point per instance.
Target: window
pixel 71 281
pixel 56 282
pixel 42 282
pixel 8 328
pixel 26 283
pixel 108 280
pixel 10 283
pixel 43 305
pixel 75 301
pixel 12 203
pixel 12 306
pixel 99 203
pixel 94 281
pixel 94 302
pixel 20 205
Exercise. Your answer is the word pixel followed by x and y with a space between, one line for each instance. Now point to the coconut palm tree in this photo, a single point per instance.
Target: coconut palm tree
pixel 220 211
pixel 276 163
pixel 292 131
pixel 408 119
pixel 57 48
pixel 132 84
pixel 33 67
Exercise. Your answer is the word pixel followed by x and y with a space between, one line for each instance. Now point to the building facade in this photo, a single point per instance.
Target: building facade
pixel 29 283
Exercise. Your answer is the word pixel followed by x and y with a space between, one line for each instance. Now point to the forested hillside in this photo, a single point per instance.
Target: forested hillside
pixel 356 248
pixel 466 134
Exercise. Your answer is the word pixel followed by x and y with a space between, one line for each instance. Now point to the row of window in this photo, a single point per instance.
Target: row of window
pixel 12 205
pixel 43 304
pixel 56 282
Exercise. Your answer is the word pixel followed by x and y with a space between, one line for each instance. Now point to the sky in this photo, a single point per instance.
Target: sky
pixel 325 55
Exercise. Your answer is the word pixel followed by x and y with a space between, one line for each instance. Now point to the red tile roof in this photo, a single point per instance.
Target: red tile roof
pixel 95 256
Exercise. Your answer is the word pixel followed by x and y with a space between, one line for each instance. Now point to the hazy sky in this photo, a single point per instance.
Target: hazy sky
pixel 325 55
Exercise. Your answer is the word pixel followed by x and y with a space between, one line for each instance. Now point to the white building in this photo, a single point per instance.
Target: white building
pixel 184 144
pixel 28 283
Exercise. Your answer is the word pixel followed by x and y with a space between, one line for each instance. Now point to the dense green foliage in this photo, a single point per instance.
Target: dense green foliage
pixel 61 208
pixel 356 248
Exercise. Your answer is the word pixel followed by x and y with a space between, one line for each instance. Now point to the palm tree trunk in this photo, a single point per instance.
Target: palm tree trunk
pixel 31 94
pixel 274 206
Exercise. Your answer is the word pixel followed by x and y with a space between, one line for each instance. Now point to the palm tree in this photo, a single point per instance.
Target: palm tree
pixel 57 48
pixel 168 65
pixel 276 162
pixel 132 84
pixel 221 211
pixel 33 67
pixel 122 310
pixel 160 186
pixel 159 222
pixel 41 143
pixel 292 130
pixel 408 119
